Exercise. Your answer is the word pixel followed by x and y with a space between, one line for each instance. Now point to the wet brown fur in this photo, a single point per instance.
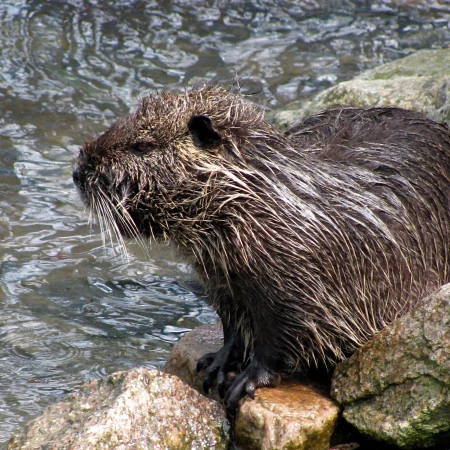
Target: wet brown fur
pixel 308 242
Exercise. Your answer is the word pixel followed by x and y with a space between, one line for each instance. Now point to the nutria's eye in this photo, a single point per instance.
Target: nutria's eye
pixel 204 134
pixel 142 147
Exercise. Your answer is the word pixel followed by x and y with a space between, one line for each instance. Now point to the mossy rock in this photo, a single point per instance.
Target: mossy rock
pixel 420 81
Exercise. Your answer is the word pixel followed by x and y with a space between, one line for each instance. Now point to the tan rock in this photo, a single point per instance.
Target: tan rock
pixel 140 409
pixel 183 358
pixel 292 416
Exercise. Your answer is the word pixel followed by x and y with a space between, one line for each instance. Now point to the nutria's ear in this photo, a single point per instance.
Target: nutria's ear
pixel 204 134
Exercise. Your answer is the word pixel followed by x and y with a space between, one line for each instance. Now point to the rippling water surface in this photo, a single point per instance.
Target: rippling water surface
pixel 72 309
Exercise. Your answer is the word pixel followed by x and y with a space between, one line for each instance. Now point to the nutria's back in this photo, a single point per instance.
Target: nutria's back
pixel 307 242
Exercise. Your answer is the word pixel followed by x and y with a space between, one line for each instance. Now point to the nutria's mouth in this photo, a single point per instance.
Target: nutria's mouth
pixel 118 211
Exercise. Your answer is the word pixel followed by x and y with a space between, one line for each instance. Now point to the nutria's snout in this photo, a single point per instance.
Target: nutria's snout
pixel 76 177
pixel 82 166
pixel 79 178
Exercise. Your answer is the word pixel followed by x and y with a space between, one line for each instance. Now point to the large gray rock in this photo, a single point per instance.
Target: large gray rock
pixel 140 409
pixel 297 416
pixel 396 388
pixel 420 81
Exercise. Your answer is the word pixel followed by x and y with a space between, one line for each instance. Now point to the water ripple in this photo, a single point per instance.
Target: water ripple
pixel 48 348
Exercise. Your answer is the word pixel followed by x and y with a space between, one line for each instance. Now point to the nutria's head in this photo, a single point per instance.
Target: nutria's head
pixel 157 169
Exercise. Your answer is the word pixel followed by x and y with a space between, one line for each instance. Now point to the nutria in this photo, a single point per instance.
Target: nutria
pixel 308 242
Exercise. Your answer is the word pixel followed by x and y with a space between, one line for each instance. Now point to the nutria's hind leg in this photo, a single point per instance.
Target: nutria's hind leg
pixel 219 364
pixel 254 376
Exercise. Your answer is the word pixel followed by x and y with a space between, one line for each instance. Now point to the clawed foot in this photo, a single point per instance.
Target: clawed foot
pixel 221 367
pixel 254 376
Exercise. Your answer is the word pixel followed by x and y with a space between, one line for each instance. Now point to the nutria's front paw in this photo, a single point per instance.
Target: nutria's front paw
pixel 211 364
pixel 218 365
pixel 254 376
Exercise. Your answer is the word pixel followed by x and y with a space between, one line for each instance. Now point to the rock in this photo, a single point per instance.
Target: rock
pixel 396 388
pixel 351 446
pixel 293 416
pixel 420 81
pixel 142 409
pixel 183 358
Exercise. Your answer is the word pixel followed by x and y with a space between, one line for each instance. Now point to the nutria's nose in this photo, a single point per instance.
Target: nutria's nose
pixel 76 176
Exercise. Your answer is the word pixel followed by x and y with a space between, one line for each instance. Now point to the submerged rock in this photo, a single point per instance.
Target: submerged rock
pixel 295 415
pixel 144 409
pixel 396 388
pixel 420 81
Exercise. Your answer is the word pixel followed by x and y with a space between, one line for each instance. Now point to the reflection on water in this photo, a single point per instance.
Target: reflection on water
pixel 70 310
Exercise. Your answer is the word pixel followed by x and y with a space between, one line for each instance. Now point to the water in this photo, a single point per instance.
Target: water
pixel 72 309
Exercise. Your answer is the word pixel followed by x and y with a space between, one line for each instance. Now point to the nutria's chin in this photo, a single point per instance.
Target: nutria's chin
pixel 307 242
